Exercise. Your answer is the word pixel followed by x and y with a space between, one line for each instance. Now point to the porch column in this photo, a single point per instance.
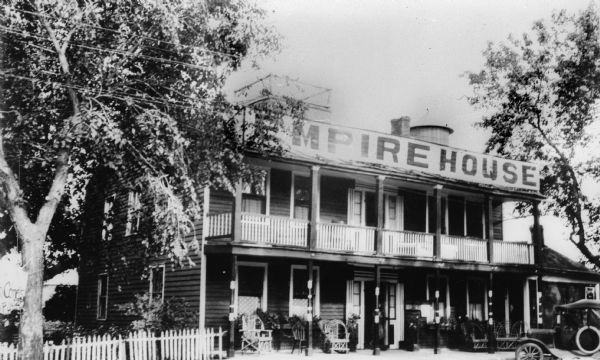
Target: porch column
pixel 489 222
pixel 436 312
pixel 380 215
pixel 232 309
pixel 490 316
pixel 309 312
pixel 315 205
pixel 537 234
pixel 437 240
pixel 236 222
pixel 526 307
pixel 377 315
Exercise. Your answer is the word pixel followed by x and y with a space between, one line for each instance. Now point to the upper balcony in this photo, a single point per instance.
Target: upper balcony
pixel 361 214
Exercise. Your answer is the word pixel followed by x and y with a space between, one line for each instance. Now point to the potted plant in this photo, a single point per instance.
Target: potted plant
pixel 352 326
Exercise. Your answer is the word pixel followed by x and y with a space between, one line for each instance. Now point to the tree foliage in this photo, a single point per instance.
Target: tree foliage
pixel 130 88
pixel 540 92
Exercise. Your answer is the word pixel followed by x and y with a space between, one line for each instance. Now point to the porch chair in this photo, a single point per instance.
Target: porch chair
pixel 299 336
pixel 335 335
pixel 505 341
pixel 254 335
pixel 478 336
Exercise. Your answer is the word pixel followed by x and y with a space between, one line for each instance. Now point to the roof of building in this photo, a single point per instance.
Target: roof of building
pixel 556 263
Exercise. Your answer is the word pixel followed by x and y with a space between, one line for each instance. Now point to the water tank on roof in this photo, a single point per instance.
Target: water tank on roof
pixel 438 134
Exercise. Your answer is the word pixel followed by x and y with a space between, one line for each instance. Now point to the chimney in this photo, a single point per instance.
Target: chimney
pixel 401 126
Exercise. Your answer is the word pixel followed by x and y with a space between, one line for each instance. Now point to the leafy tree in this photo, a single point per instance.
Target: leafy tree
pixel 541 92
pixel 134 87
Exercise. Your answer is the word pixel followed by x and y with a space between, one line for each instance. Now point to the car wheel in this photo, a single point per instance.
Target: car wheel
pixel 587 340
pixel 529 351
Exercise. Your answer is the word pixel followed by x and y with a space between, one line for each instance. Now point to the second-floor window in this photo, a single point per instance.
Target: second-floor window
pixel 108 218
pixel 254 194
pixel 301 197
pixel 134 213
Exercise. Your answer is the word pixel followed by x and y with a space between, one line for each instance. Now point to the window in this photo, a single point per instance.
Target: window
pixel 393 212
pixel 302 194
pixel 102 301
pixel 134 213
pixel 456 216
pixel 356 295
pixel 476 298
pixel 474 219
pixel 299 291
pixel 391 300
pixel 108 218
pixel 415 216
pixel 254 193
pixel 157 282
pixel 251 287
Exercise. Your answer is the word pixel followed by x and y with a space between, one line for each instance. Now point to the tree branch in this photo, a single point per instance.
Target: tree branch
pixel 579 228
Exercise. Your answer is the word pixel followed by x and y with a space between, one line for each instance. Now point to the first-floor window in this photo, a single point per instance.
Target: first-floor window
pixel 299 291
pixel 157 282
pixel 476 299
pixel 102 301
pixel 251 288
pixel 356 297
pixel 391 310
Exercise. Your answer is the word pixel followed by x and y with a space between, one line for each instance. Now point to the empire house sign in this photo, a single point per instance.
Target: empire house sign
pixel 317 139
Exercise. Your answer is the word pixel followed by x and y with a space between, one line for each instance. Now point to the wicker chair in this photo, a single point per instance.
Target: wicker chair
pixel 478 337
pixel 335 335
pixel 254 335
pixel 505 341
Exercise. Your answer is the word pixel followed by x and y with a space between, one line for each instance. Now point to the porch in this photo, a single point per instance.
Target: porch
pixel 406 303
pixel 283 231
pixel 423 354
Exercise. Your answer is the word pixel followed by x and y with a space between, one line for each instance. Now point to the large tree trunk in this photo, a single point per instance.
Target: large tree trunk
pixel 31 336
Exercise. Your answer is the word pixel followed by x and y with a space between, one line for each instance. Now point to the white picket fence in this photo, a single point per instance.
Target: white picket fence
pixel 185 344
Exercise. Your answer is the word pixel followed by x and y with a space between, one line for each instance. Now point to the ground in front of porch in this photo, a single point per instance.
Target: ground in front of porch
pixel 423 354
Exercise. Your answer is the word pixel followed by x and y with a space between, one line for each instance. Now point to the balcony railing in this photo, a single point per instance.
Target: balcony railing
pixel 283 231
pixel 507 252
pixel 276 230
pixel 463 248
pixel 219 225
pixel 342 237
pixel 407 243
pixel 263 229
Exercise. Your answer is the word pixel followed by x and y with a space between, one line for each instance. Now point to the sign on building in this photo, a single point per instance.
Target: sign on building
pixel 12 282
pixel 324 141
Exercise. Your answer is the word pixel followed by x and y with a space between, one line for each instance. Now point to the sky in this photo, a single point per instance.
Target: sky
pixel 385 59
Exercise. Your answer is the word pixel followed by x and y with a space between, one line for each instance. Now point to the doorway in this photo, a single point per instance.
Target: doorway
pixel 391 302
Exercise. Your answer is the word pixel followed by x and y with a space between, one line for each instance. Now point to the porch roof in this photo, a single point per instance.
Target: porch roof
pixel 555 263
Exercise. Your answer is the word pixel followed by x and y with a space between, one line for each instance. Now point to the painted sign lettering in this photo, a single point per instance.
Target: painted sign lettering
pixel 327 141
